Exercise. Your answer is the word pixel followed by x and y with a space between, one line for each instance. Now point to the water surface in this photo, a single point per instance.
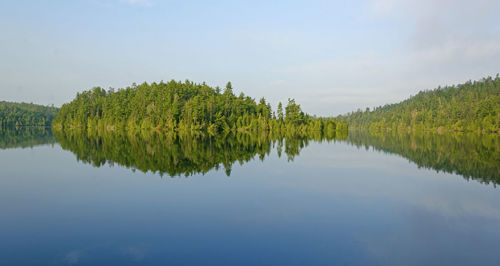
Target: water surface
pixel 88 200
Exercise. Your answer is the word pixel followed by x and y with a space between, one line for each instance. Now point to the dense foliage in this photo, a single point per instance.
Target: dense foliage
pixel 184 107
pixel 472 106
pixel 25 114
pixel 176 155
pixel 474 156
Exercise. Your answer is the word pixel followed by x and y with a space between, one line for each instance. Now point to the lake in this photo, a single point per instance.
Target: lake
pixel 361 199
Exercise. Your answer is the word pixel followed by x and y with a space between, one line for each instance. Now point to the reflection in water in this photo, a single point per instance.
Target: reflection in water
pixel 473 156
pixel 24 137
pixel 177 154
pixel 335 198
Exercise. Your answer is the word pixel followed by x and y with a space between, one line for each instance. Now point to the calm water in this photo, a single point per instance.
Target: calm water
pixel 360 200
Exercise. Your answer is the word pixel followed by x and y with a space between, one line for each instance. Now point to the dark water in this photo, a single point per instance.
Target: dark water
pixel 74 199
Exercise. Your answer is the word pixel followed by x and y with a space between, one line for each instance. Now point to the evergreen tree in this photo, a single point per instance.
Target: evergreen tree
pixel 472 106
pixel 185 108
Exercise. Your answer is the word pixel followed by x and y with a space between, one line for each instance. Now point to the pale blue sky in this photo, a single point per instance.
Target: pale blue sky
pixel 331 56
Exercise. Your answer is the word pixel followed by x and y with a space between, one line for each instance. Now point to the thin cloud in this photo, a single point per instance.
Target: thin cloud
pixel 141 3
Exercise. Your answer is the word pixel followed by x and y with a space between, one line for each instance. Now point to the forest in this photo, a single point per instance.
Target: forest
pixel 25 114
pixel 186 107
pixel 470 107
pixel 193 108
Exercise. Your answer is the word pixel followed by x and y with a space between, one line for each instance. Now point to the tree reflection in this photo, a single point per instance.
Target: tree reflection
pixel 25 137
pixel 177 154
pixel 473 156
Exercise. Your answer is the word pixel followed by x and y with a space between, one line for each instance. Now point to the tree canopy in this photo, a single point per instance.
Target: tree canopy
pixel 185 107
pixel 25 114
pixel 472 106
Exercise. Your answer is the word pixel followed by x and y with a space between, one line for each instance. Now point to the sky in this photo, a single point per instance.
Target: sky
pixel 333 57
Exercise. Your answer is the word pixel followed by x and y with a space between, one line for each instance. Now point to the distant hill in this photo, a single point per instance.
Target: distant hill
pixel 472 106
pixel 25 114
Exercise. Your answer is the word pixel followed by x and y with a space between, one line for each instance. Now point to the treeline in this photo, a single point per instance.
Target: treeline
pixel 175 154
pixel 473 106
pixel 25 114
pixel 185 107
